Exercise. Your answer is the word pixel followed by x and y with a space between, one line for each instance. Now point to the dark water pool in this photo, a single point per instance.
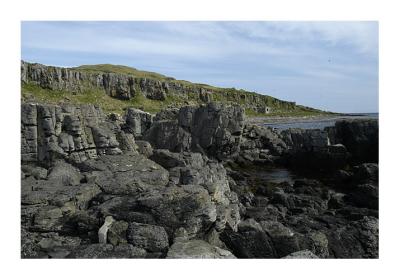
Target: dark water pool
pixel 269 174
pixel 277 175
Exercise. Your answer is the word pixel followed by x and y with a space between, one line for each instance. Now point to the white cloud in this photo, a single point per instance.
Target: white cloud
pixel 194 40
pixel 363 36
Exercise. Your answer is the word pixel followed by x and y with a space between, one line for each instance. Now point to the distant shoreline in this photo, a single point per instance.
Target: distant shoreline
pixel 307 119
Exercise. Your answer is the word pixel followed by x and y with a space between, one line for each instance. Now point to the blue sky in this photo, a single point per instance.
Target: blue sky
pixel 326 65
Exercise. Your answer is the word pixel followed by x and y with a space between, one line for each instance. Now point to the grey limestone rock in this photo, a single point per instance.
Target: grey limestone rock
pixel 250 241
pixel 361 138
pixel 65 173
pixel 117 233
pixel 75 133
pixel 196 169
pixel 188 206
pixel 153 89
pixel 358 239
pixel 144 148
pixel 108 251
pixel 213 128
pixel 108 221
pixel 126 174
pixel 305 254
pixel 197 249
pixel 149 237
pixel 284 239
pixel 137 122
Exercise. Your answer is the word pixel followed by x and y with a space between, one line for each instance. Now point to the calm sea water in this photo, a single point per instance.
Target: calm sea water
pixel 319 123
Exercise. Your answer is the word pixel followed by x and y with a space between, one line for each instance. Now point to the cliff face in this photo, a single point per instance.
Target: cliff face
pixel 57 78
pixel 80 166
pixel 127 86
pixel 212 129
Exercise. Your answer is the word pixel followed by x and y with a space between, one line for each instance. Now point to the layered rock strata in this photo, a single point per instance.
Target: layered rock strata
pixel 193 186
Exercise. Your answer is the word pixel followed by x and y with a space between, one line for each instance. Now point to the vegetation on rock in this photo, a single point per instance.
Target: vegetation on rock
pixel 115 88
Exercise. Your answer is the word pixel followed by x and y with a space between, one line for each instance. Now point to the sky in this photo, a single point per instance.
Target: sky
pixel 326 65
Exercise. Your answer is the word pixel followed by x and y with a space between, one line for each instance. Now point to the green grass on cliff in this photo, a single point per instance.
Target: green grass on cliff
pixel 120 69
pixel 126 70
pixel 35 93
pixel 97 96
pixel 109 104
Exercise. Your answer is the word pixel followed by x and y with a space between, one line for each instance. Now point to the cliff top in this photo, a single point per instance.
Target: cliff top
pixel 117 87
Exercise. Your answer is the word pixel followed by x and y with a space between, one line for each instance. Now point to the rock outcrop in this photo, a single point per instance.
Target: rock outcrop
pixel 212 129
pixel 193 186
pixel 361 138
pixel 81 170
pixel 74 133
pixel 137 122
pixel 125 86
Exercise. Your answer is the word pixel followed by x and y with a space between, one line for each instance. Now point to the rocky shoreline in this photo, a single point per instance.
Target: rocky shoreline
pixel 187 183
pixel 310 118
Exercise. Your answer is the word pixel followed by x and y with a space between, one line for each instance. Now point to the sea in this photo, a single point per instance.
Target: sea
pixel 318 123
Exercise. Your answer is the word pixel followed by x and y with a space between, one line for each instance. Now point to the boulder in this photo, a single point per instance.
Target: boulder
pixel 320 244
pixel 366 173
pixel 196 169
pixel 36 171
pixel 213 128
pixel 305 254
pixel 117 233
pixel 197 249
pixel 137 122
pixel 126 174
pixel 104 229
pixel 167 134
pixel 264 139
pixel 108 251
pixel 358 239
pixel 48 218
pixel 250 241
pixel 360 136
pixel 188 206
pixel 65 173
pixel 145 148
pixel 47 245
pixel 311 149
pixel 283 238
pixel 105 141
pixel 149 237
pixel 364 195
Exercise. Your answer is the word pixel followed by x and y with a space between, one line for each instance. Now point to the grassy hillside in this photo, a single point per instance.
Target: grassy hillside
pixel 121 69
pixel 109 104
pixel 97 96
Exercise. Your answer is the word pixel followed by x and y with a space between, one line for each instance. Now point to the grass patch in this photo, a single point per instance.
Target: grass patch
pixel 32 92
pixel 35 93
pixel 120 69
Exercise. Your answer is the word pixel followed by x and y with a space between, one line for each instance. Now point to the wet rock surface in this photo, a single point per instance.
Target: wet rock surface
pixel 197 184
